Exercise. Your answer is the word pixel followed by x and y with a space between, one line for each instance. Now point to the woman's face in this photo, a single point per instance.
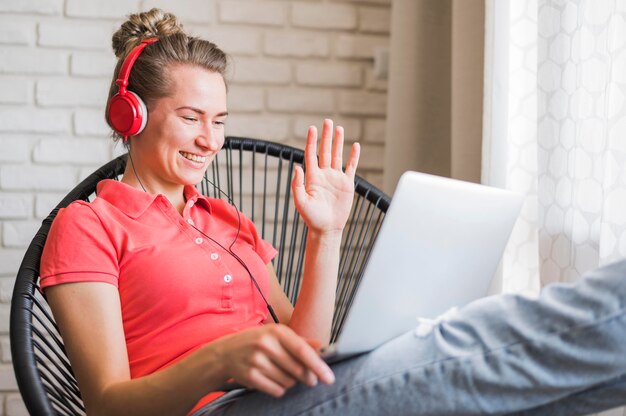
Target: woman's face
pixel 184 131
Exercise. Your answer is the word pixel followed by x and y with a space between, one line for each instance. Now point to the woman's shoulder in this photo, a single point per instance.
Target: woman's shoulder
pixel 78 213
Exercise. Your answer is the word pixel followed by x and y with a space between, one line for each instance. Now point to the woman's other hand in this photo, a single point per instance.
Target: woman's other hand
pixel 323 196
pixel 271 359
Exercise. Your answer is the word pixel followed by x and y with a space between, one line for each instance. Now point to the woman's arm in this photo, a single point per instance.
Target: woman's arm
pixel 270 359
pixel 323 198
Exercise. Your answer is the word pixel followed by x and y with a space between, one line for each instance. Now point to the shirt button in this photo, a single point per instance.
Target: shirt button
pixel 190 221
pixel 190 204
pixel 199 240
pixel 228 278
pixel 214 256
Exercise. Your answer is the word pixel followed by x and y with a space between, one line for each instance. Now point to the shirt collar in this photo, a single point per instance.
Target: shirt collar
pixel 134 202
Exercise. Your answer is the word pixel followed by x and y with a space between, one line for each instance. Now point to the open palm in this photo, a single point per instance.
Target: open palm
pixel 323 196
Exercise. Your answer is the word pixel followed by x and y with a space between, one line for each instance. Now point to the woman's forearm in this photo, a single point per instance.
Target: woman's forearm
pixel 313 312
pixel 172 391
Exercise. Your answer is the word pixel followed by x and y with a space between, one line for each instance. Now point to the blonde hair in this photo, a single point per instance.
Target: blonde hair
pixel 150 77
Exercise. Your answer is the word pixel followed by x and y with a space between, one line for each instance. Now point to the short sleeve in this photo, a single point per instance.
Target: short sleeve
pixel 78 249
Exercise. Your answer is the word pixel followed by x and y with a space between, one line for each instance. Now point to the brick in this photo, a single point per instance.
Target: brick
pixel 20 60
pixel 268 13
pixel 42 178
pixel 7 376
pixel 28 119
pixel 112 9
pixel 351 127
pixel 233 41
pixel 74 151
pixel 6 293
pixel 92 64
pixel 188 11
pixel 54 7
pixel 19 233
pixel 17 33
pixel 324 16
pixel 366 1
pixel 10 260
pixel 90 123
pixel 301 100
pixel 275 128
pixel 46 202
pixel 374 20
pixel 15 406
pixel 245 99
pixel 247 70
pixel 375 131
pixel 359 46
pixel 374 84
pixel 371 157
pixel 329 75
pixel 85 171
pixel 363 103
pixel 300 45
pixel 72 92
pixel 14 149
pixel 16 91
pixel 5 343
pixel 94 35
pixel 4 329
pixel 13 206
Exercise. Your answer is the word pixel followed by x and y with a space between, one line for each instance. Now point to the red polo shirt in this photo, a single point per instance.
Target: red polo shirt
pixel 178 289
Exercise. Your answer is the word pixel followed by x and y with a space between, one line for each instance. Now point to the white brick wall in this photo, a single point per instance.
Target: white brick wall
pixel 294 63
pixel 16 90
pixel 324 16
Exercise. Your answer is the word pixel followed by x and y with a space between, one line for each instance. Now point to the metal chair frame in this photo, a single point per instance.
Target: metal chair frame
pixel 256 174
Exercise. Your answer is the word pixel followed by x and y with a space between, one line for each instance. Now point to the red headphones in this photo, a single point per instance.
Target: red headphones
pixel 127 113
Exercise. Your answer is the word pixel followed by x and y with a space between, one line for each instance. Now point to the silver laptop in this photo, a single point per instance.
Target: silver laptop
pixel 438 247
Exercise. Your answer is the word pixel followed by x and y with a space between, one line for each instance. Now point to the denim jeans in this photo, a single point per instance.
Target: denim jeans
pixel 563 353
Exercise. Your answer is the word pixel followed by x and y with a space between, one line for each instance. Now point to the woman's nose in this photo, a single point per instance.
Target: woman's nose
pixel 210 139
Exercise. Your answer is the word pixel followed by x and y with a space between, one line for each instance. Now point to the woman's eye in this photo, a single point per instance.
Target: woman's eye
pixel 190 118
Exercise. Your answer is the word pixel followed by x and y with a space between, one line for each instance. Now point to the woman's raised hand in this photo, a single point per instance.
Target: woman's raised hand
pixel 270 359
pixel 323 196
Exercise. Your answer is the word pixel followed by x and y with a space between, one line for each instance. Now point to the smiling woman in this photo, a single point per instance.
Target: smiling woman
pixel 145 332
pixel 185 131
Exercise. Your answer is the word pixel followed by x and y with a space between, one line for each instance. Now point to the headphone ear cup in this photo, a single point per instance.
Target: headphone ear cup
pixel 128 114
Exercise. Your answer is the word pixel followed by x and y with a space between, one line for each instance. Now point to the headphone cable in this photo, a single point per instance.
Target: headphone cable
pixel 229 249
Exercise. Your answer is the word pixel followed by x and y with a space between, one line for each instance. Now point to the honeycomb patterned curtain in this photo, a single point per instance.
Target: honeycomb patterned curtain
pixel 555 130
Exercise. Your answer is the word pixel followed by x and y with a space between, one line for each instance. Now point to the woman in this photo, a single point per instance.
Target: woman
pixel 155 310
pixel 158 313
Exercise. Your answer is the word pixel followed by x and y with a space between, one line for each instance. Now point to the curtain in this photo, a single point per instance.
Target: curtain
pixel 555 130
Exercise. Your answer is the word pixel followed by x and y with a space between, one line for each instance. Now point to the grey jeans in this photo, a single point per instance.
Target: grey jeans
pixel 563 353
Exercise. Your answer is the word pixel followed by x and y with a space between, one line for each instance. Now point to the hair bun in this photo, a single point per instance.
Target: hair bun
pixel 144 25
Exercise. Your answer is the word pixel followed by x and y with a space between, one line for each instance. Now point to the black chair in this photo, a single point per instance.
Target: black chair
pixel 257 175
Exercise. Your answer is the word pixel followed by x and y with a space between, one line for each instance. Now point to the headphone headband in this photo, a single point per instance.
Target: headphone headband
pixel 122 77
pixel 127 113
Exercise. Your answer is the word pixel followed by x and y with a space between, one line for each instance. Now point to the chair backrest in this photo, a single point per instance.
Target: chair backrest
pixel 256 175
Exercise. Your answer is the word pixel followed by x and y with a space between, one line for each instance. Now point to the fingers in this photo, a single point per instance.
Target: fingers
pixel 337 157
pixel 330 149
pixel 306 355
pixel 297 185
pixel 353 160
pixel 310 150
pixel 271 377
pixel 325 144
pixel 272 359
pixel 259 380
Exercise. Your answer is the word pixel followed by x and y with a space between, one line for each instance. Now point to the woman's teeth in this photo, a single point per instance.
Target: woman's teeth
pixel 195 158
